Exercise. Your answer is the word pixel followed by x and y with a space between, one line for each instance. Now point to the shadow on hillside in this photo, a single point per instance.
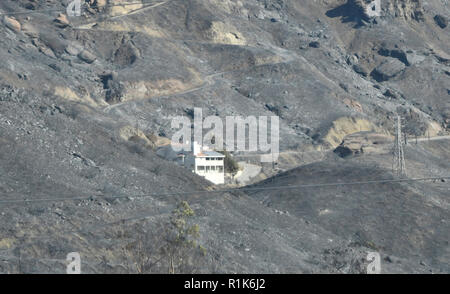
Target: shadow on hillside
pixel 348 12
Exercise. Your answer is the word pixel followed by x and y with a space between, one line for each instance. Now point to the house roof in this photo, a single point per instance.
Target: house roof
pixel 209 154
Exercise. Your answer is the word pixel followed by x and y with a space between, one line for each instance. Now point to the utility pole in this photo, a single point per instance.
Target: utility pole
pixel 137 126
pixel 398 165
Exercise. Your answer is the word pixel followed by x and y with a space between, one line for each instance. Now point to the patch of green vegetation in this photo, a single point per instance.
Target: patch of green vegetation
pixel 231 165
pixel 171 248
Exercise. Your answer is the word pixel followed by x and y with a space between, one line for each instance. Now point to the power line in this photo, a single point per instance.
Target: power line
pixel 398 165
pixel 123 221
pixel 249 189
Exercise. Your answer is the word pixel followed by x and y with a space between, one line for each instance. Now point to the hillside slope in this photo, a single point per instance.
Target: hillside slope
pixel 85 102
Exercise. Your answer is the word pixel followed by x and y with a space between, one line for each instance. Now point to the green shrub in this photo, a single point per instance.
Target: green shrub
pixel 231 165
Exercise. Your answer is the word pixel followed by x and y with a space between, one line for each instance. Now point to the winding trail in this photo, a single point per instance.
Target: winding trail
pixel 209 80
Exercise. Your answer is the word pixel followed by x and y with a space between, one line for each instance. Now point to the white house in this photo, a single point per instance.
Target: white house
pixel 205 163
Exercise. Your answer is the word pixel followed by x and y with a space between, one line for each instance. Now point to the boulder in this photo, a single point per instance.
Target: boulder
pixel 391 94
pixel 314 44
pixel 31 6
pixel 61 21
pixel 360 70
pixel 87 56
pixel 394 53
pixel 47 52
pixel 387 70
pixel 12 24
pixel 71 50
pixel 414 58
pixel 441 21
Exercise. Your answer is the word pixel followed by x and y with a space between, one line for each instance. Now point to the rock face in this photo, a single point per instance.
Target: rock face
pixel 408 9
pixel 364 143
pixel 362 7
pixel 387 70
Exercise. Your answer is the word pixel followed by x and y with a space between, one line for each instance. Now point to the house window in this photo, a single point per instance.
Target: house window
pixel 200 168
pixel 220 168
pixel 208 169
pixel 213 168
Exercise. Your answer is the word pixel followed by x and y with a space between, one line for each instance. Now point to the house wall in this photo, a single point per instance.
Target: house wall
pixel 212 170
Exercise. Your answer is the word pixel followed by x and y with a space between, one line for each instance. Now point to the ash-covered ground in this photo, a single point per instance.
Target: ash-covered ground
pixel 85 102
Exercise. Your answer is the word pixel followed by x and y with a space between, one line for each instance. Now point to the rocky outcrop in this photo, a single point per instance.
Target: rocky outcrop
pixel 61 21
pixel 345 126
pixel 87 56
pixel 408 9
pixel 387 70
pixel 359 69
pixel 441 21
pixel 394 53
pixel 364 143
pixel 220 32
pixel 362 6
